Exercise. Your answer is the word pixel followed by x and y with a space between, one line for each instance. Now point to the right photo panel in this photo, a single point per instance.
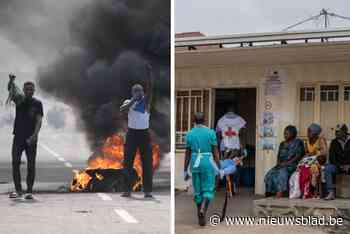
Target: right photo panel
pixel 262 116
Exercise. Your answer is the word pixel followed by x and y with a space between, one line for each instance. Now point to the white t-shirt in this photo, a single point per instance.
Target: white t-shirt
pixel 136 119
pixel 229 125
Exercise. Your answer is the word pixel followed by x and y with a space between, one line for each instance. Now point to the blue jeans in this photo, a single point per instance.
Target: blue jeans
pixel 329 173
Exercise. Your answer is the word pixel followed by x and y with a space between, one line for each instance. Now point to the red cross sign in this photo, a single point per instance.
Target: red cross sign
pixel 230 132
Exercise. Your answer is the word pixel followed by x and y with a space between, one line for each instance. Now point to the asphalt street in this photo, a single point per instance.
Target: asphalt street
pixel 55 210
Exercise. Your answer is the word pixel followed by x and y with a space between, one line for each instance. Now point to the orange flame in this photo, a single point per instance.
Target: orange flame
pixel 111 157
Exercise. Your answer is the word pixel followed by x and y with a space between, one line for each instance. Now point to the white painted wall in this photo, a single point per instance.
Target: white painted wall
pixel 246 75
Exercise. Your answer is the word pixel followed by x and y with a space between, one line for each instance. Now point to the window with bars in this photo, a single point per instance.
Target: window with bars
pixel 347 93
pixel 329 93
pixel 328 103
pixel 189 102
pixel 307 94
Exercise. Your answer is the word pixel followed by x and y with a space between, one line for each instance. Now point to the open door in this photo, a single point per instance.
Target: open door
pixel 244 102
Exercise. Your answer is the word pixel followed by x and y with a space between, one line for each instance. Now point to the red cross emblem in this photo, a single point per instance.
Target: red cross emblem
pixel 230 132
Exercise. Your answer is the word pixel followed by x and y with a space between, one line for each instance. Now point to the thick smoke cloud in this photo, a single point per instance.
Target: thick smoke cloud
pixel 38 27
pixel 56 117
pixel 111 42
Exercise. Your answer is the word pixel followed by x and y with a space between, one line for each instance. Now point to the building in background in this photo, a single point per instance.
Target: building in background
pixel 272 79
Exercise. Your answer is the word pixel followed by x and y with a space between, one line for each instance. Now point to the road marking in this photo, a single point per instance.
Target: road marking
pixel 56 155
pixel 104 196
pixel 61 159
pixel 50 150
pixel 126 216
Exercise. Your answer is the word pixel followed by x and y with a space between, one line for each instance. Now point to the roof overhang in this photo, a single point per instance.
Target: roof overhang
pixel 275 53
pixel 263 37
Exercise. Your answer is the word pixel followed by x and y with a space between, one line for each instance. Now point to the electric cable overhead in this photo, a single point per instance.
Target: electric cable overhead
pixel 323 13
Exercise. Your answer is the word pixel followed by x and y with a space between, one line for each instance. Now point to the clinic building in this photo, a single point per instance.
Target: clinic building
pixel 272 80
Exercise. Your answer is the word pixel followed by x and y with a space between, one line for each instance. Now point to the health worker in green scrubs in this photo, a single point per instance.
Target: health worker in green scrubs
pixel 202 157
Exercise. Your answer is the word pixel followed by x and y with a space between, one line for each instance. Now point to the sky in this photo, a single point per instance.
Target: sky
pixel 224 17
pixel 28 40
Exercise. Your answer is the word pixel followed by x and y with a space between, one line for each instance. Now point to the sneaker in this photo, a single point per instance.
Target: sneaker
pixel 148 195
pixel 126 194
pixel 28 196
pixel 15 195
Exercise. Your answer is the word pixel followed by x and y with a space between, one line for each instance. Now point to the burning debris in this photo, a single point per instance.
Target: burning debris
pixel 105 169
pixel 96 51
pixel 111 43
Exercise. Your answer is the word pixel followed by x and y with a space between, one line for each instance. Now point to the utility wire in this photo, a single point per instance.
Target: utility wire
pixel 340 16
pixel 301 22
pixel 323 13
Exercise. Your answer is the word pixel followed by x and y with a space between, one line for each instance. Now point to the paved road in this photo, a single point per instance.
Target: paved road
pixel 85 213
pixel 57 211
pixel 241 205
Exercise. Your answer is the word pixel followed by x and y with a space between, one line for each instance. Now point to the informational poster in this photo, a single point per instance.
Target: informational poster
pixel 273 86
pixel 269 127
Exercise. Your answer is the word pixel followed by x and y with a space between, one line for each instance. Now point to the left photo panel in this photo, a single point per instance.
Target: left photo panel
pixel 85 116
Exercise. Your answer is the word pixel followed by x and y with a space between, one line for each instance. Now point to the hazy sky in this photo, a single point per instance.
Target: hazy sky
pixel 28 39
pixel 244 16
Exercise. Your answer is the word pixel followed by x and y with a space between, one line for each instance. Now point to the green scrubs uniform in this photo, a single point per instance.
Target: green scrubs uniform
pixel 200 140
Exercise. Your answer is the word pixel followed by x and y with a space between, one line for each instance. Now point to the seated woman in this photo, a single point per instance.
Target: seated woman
pixel 310 166
pixel 290 151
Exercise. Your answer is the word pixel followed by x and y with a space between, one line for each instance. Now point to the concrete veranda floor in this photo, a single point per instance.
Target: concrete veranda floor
pixel 239 205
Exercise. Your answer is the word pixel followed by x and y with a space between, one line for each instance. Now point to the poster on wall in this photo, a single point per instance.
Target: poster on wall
pixel 269 126
pixel 273 90
pixel 273 84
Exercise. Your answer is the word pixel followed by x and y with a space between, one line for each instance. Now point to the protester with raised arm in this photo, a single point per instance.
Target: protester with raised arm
pixel 29 113
pixel 137 137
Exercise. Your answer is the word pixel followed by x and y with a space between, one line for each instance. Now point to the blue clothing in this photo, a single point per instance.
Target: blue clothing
pixel 200 140
pixel 288 151
pixel 141 105
pixel 276 179
pixel 315 129
pixel 329 172
pixel 228 166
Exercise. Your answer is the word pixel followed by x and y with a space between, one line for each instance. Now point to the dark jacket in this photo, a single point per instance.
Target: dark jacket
pixel 337 155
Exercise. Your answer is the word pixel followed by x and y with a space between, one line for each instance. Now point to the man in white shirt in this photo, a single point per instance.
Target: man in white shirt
pixel 137 137
pixel 230 129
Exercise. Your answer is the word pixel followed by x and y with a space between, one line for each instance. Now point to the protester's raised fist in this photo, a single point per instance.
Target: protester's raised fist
pixel 12 76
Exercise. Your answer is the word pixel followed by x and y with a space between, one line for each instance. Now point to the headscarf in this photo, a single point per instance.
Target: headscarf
pixel 315 129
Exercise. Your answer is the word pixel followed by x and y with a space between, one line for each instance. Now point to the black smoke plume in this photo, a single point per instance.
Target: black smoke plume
pixel 112 41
